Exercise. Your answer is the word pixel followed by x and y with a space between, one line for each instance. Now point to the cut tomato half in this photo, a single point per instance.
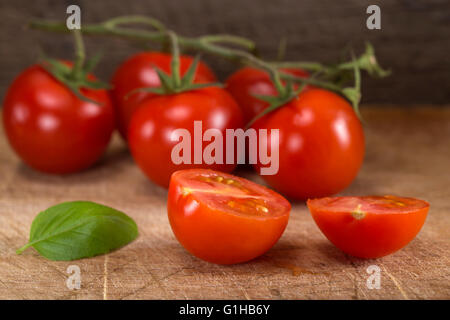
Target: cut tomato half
pixel 369 226
pixel 222 218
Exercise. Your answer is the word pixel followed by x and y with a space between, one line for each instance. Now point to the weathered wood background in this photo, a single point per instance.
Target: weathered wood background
pixel 407 154
pixel 414 40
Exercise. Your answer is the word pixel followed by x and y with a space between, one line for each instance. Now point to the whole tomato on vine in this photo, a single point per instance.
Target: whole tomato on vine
pixel 57 117
pixel 177 104
pixel 321 144
pixel 149 135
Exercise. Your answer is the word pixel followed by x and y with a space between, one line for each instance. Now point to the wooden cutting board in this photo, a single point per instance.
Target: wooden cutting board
pixel 408 153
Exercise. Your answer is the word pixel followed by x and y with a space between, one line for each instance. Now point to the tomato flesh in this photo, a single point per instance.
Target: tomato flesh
pixel 222 218
pixel 369 226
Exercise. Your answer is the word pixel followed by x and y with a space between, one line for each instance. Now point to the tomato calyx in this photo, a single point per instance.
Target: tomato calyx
pixel 366 61
pixel 74 82
pixel 287 92
pixel 77 76
pixel 173 83
pixel 275 102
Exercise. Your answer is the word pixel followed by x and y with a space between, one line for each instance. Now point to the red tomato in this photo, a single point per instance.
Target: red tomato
pixel 222 218
pixel 50 128
pixel 371 226
pixel 247 82
pixel 151 126
pixel 321 145
pixel 139 72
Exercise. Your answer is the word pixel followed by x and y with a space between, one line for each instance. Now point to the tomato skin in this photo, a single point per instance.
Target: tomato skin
pixel 219 236
pixel 375 235
pixel 51 129
pixel 153 122
pixel 247 82
pixel 321 145
pixel 138 72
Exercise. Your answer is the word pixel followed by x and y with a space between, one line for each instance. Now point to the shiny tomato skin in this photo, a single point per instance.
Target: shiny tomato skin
pixel 51 129
pixel 247 82
pixel 321 145
pixel 206 221
pixel 154 121
pixel 138 72
pixel 369 227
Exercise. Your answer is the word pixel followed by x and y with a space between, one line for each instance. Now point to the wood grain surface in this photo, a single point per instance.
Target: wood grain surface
pixel 414 39
pixel 408 153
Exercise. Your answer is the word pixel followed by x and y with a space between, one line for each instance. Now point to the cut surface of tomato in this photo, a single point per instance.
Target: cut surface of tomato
pixel 222 218
pixel 369 226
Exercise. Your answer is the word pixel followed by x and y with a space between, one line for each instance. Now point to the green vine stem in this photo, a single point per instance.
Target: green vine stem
pixel 114 22
pixel 367 62
pixel 215 45
pixel 112 27
pixel 175 65
pixel 80 55
pixel 207 44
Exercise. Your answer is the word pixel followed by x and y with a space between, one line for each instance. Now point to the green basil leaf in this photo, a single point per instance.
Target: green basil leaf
pixel 79 229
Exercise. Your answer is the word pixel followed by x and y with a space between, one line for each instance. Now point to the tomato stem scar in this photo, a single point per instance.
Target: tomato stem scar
pixel 358 214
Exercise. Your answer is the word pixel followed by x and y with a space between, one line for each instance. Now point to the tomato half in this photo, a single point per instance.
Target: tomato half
pixel 222 218
pixel 50 128
pixel 321 145
pixel 247 82
pixel 370 226
pixel 152 125
pixel 138 72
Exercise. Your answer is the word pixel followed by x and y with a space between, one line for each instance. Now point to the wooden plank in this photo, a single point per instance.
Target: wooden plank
pixel 407 154
pixel 413 41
